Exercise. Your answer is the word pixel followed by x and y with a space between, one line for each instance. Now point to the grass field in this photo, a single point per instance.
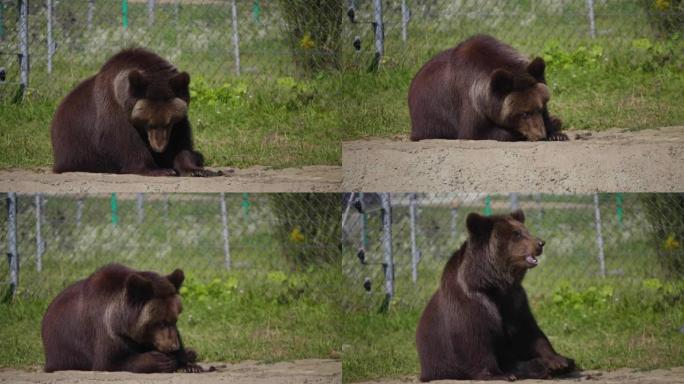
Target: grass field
pixel 630 318
pixel 629 76
pixel 262 308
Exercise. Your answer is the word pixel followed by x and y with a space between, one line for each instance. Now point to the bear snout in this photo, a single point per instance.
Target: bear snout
pixel 540 246
pixel 166 340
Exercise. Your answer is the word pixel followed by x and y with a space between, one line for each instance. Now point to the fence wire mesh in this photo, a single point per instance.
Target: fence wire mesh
pixel 61 42
pixel 626 241
pixel 54 240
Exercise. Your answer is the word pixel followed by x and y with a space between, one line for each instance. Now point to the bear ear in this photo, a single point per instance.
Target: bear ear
pixel 479 226
pixel 179 83
pixel 138 288
pixel 536 69
pixel 518 215
pixel 176 278
pixel 138 83
pixel 501 81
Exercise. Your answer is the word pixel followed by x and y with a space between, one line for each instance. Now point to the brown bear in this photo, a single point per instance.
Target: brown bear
pixel 131 117
pixel 117 319
pixel 482 89
pixel 478 325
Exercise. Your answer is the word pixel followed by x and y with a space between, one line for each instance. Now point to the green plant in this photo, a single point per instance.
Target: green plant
pixel 581 57
pixel 665 212
pixel 666 16
pixel 308 227
pixel 314 31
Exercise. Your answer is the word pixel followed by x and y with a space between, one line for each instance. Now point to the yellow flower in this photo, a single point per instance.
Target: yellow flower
pixel 662 5
pixel 671 243
pixel 307 42
pixel 296 236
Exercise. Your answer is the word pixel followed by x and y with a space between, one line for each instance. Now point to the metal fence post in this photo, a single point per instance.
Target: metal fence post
pixel 415 253
pixel 79 211
pixel 91 11
pixel 387 245
pixel 364 224
pixel 379 29
pixel 166 207
pixel 150 12
pixel 236 37
pixel 224 222
pixel 40 242
pixel 23 47
pixel 405 17
pixel 139 201
pixel 599 236
pixel 12 255
pixel 50 44
pixel 592 20
pixel 454 221
pixel 514 201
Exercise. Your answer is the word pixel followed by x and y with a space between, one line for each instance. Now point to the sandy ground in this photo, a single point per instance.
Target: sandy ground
pixel 609 161
pixel 254 179
pixel 311 371
pixel 620 376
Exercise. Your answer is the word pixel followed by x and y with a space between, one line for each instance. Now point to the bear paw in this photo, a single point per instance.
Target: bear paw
pixel 559 364
pixel 557 136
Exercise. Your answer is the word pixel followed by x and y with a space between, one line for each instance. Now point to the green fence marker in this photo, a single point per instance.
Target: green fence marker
pixel 2 21
pixel 115 210
pixel 245 205
pixel 618 207
pixel 488 206
pixel 256 11
pixel 124 13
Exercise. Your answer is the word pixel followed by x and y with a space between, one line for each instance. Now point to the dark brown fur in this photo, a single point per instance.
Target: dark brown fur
pixel 117 319
pixel 478 325
pixel 131 117
pixel 482 89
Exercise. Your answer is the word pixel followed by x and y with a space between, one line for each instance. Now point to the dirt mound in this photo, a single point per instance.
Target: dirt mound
pixel 320 178
pixel 610 161
pixel 313 371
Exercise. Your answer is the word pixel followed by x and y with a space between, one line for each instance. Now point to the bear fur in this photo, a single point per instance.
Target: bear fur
pixel 131 117
pixel 117 319
pixel 482 89
pixel 478 325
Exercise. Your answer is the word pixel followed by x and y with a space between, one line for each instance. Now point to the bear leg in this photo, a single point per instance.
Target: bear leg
pixel 150 362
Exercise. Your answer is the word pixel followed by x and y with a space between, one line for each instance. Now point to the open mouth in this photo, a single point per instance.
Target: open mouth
pixel 531 260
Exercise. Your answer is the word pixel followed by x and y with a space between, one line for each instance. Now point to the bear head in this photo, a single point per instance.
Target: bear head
pixel 155 103
pixel 506 246
pixel 521 99
pixel 152 309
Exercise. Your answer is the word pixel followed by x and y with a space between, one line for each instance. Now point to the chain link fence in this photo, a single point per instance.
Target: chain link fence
pixel 48 45
pixel 54 240
pixel 395 246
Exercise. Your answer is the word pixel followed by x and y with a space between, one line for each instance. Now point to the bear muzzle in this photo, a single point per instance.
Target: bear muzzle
pixel 158 138
pixel 531 259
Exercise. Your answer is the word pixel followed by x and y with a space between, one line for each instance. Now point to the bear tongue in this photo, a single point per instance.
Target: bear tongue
pixel 532 260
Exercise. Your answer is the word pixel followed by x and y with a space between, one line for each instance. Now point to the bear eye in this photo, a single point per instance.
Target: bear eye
pixel 517 234
pixel 524 115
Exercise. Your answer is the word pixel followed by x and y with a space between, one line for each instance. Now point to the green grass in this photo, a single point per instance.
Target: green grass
pixel 599 336
pixel 262 123
pixel 270 318
pixel 629 318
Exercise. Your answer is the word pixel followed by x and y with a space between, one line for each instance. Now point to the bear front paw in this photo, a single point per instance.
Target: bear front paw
pixel 163 363
pixel 559 363
pixel 557 136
